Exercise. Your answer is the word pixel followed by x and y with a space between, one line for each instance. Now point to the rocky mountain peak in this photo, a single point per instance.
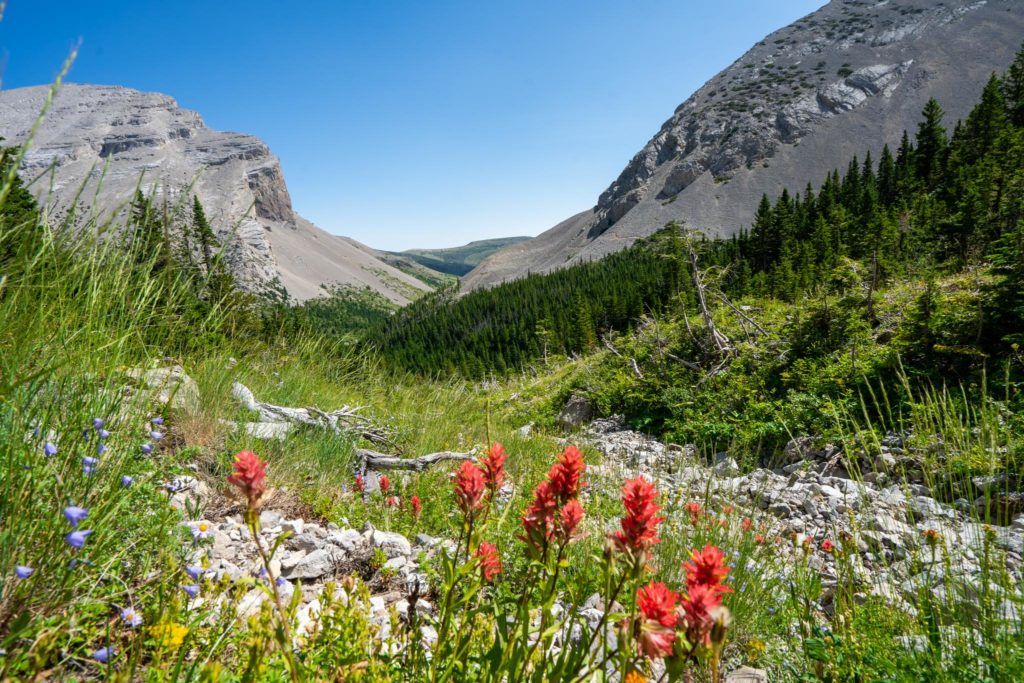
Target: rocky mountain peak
pixel 843 80
pixel 116 139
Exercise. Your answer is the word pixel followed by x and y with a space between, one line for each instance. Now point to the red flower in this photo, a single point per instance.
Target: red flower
pixel 640 525
pixel 493 466
pixel 697 608
pixel 490 561
pixel 727 510
pixel 827 546
pixel 694 509
pixel 657 602
pixel 539 520
pixel 360 484
pixel 746 524
pixel 250 476
pixel 570 517
pixel 759 539
pixel 392 501
pixel 416 505
pixel 469 487
pixel 565 475
pixel 384 483
pixel 707 569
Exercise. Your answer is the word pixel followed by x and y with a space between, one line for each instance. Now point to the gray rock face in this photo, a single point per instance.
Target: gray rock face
pixel 119 139
pixel 843 80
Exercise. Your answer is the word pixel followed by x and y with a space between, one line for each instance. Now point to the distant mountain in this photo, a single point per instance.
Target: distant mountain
pixel 111 139
pixel 843 80
pixel 459 260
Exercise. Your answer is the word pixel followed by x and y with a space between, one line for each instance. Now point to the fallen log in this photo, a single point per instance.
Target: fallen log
pixel 372 460
pixel 344 420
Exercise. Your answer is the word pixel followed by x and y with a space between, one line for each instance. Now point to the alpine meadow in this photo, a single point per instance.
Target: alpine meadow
pixel 758 415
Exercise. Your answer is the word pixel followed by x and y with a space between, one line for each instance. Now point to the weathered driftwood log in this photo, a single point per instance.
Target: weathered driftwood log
pixel 372 460
pixel 346 419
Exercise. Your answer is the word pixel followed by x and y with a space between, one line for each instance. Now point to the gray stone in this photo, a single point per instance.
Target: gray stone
pixel 747 674
pixel 319 563
pixel 168 386
pixel 393 545
pixel 577 411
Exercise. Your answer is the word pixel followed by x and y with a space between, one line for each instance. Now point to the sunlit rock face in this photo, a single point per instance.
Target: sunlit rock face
pixel 98 144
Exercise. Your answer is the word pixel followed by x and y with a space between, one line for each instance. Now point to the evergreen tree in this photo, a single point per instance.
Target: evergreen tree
pixel 931 144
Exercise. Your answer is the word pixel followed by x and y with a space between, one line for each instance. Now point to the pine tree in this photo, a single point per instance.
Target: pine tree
pixel 1013 90
pixel 930 150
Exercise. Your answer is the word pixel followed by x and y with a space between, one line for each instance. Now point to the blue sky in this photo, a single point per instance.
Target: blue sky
pixel 411 124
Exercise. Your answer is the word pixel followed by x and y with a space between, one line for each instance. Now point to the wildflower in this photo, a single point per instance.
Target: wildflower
pixel 146 448
pixel 49 450
pixel 191 590
pixel 569 518
pixel 170 635
pixel 827 546
pixel 392 501
pixel 384 483
pixel 416 506
pixel 103 433
pixel 76 539
pixel 640 525
pixel 250 476
pixel 490 561
pixel 469 487
pixel 360 484
pixel 932 537
pixel 635 676
pixel 565 475
pixel 694 510
pixel 194 571
pixel 707 568
pixel 23 572
pixel 539 520
pixel 493 466
pixel 130 617
pixel 75 515
pixel 97 423
pixel 157 420
pixel 746 524
pixel 89 461
pixel 155 435
pixel 200 530
pixel 657 605
pixel 127 481
pixel 759 539
pixel 727 510
pixel 697 607
pixel 103 654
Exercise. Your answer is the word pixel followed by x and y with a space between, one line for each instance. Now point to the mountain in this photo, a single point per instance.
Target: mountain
pixel 111 140
pixel 843 80
pixel 459 260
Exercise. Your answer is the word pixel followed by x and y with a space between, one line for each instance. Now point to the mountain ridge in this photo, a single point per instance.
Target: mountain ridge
pixel 842 80
pixel 112 140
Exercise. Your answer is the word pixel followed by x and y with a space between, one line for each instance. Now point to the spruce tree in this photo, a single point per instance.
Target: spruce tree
pixel 931 145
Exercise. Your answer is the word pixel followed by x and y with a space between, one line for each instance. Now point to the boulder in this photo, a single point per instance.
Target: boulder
pixel 578 411
pixel 168 386
pixel 319 563
pixel 393 545
pixel 746 674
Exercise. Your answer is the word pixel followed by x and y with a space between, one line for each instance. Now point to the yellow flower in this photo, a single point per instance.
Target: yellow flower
pixel 169 635
pixel 635 677
pixel 755 647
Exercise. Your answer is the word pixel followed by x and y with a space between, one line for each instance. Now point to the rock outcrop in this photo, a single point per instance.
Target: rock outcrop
pixel 843 80
pixel 111 140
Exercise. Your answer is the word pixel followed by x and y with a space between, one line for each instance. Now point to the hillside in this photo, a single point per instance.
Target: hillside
pixel 119 139
pixel 843 80
pixel 459 260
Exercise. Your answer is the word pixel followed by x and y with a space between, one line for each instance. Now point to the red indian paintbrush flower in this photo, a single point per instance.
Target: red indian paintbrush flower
pixel 827 546
pixel 493 466
pixel 658 618
pixel 694 510
pixel 539 520
pixel 384 483
pixel 569 518
pixel 640 525
pixel 469 487
pixel 490 561
pixel 250 476
pixel 416 506
pixel 566 474
pixel 360 484
pixel 707 568
pixel 697 609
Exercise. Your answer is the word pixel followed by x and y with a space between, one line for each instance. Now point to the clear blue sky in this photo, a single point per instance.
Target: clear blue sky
pixel 417 123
